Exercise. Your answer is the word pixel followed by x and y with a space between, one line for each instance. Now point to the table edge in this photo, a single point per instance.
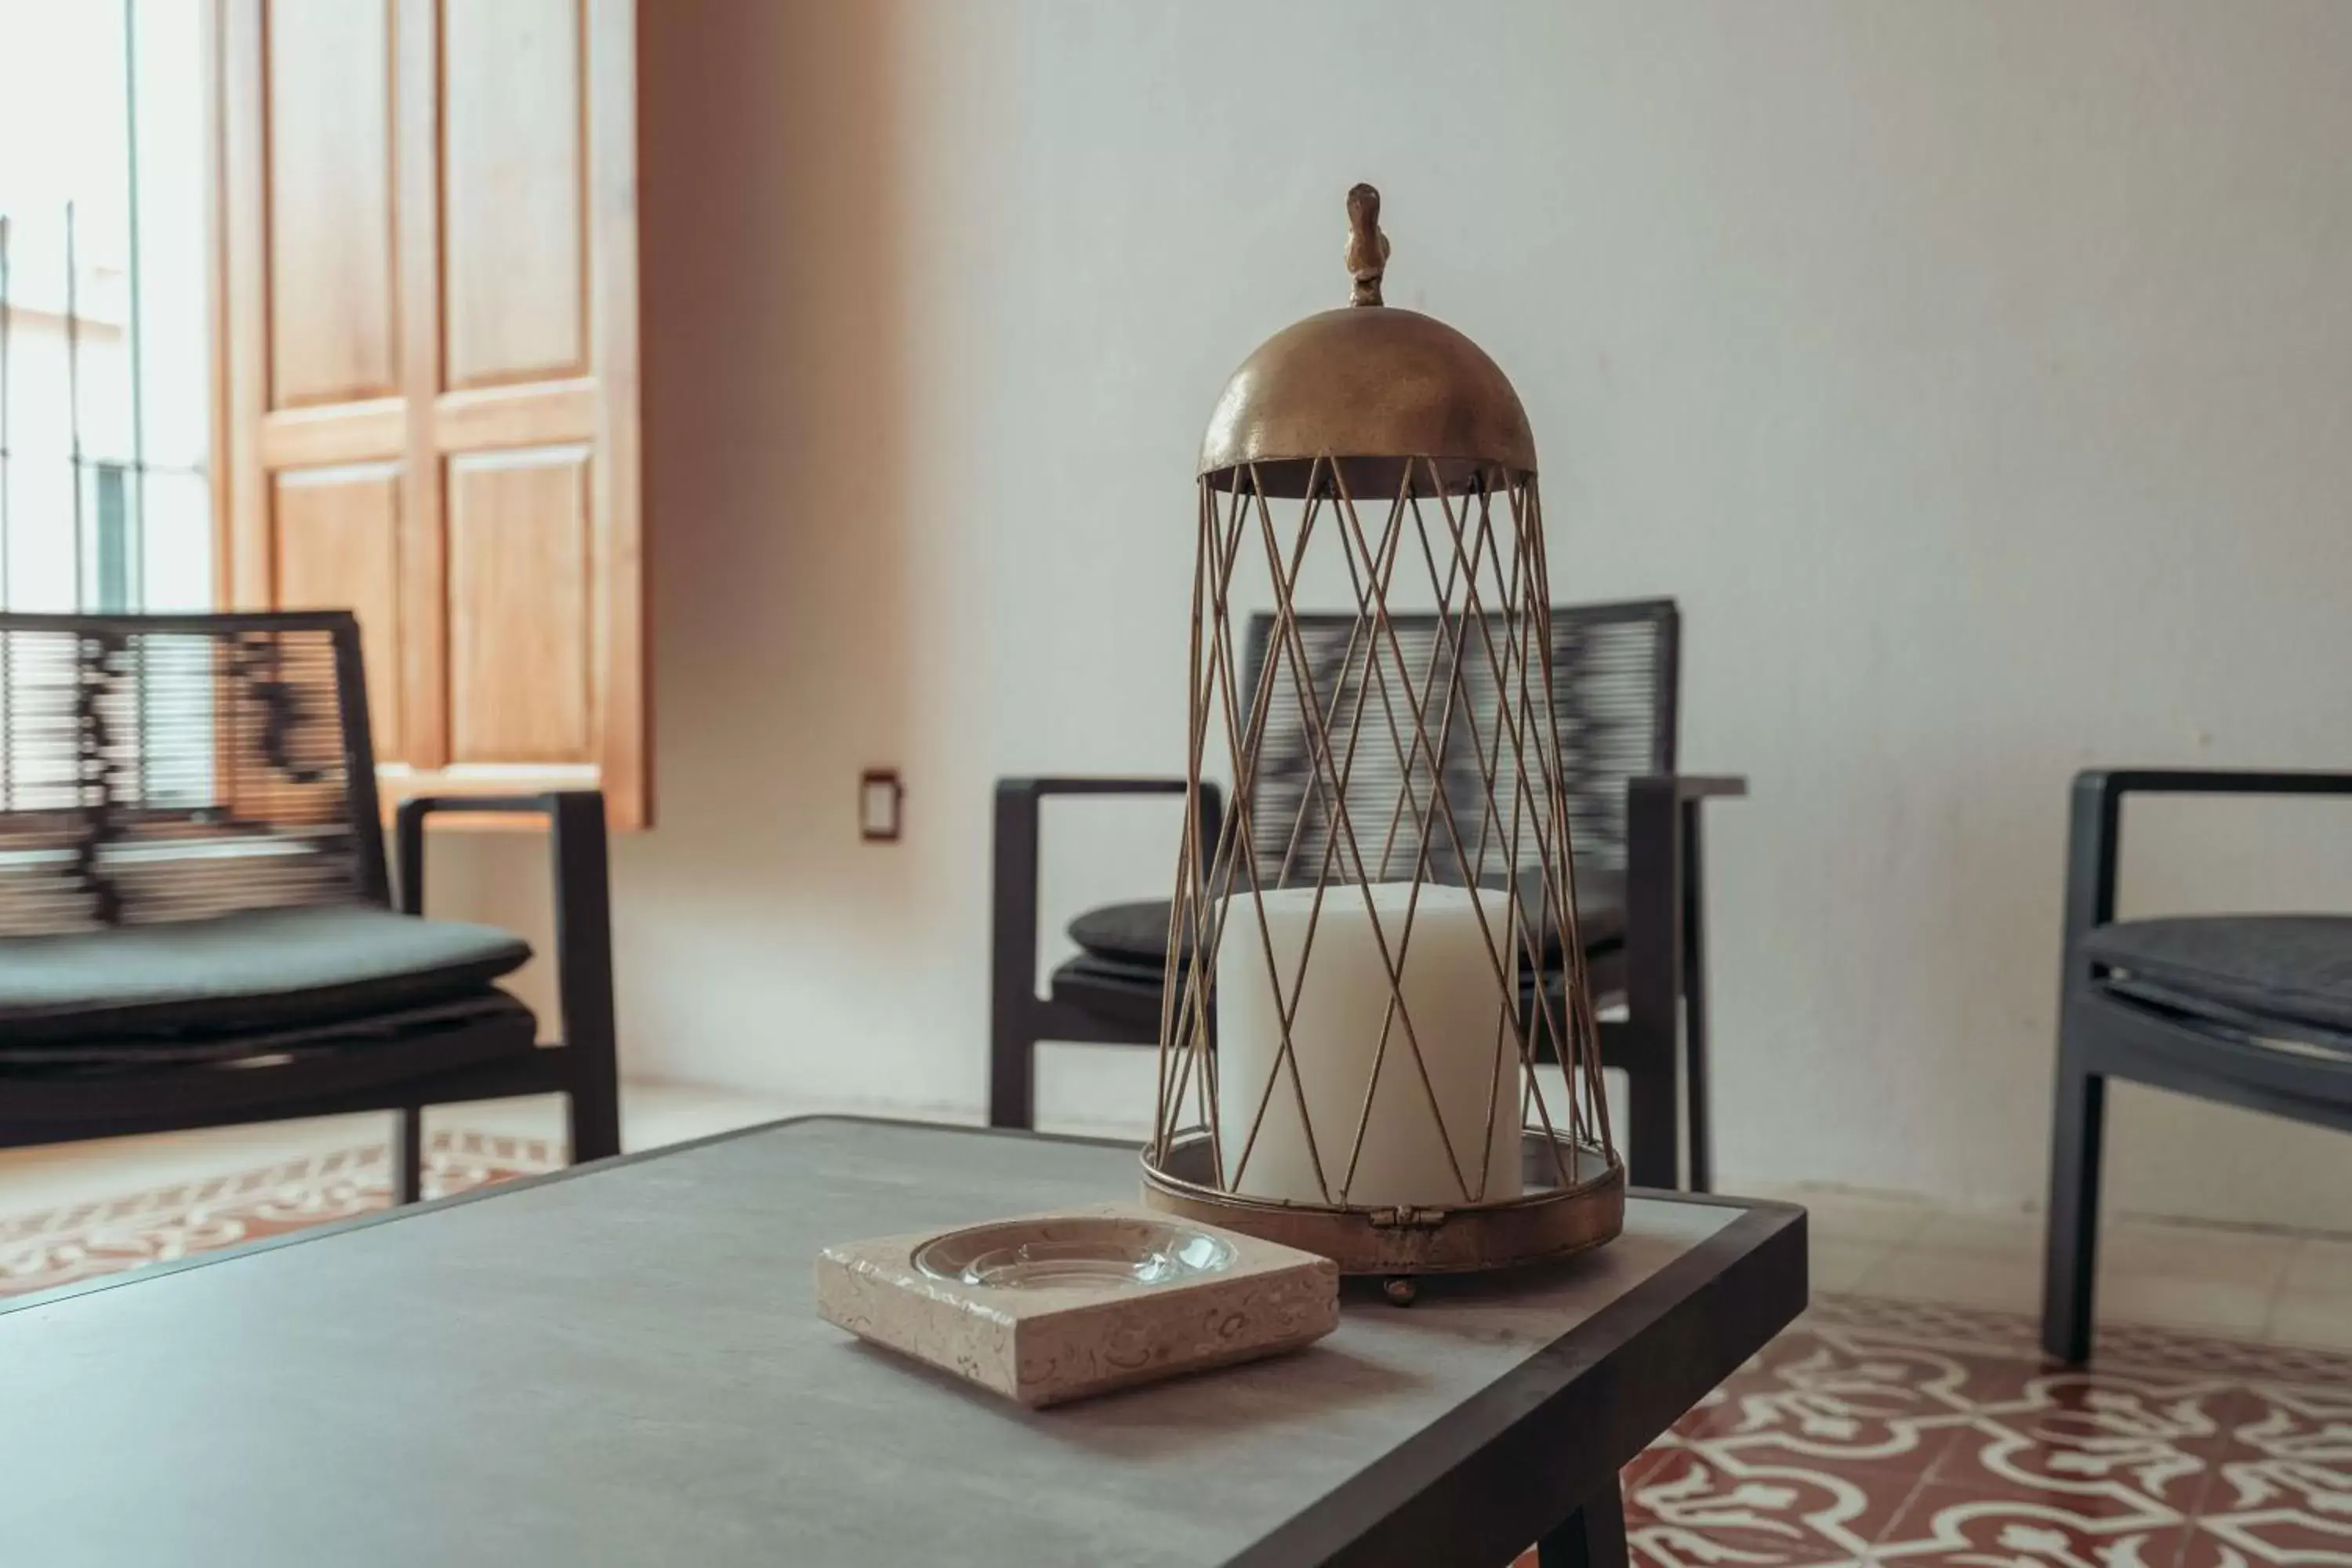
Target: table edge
pixel 143 1273
pixel 1507 1466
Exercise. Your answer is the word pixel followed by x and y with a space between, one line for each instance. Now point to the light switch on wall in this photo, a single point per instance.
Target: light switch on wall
pixel 879 796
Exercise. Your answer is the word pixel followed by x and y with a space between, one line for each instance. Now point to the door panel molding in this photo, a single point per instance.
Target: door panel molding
pixel 340 433
pixel 514 191
pixel 514 416
pixel 331 214
pixel 336 533
pixel 622 643
pixel 521 600
pixel 424 591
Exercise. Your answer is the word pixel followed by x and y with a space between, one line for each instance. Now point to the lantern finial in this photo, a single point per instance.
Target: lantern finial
pixel 1364 398
pixel 1368 248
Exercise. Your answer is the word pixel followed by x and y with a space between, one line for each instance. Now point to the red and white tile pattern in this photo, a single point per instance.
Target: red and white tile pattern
pixel 59 1245
pixel 1897 1433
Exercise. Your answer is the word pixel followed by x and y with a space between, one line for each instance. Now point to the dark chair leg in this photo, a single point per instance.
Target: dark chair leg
pixel 1012 1067
pixel 1702 1133
pixel 1013 960
pixel 596 1108
pixel 1591 1537
pixel 584 974
pixel 407 1154
pixel 2078 1127
pixel 1654 1125
pixel 1654 934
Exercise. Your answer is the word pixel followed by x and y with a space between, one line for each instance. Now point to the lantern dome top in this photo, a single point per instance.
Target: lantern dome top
pixel 1371 388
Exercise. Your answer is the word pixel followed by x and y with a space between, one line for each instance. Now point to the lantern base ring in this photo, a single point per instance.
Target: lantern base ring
pixel 1547 1221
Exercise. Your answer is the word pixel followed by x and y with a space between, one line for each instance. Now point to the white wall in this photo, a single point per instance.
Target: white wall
pixel 1980 378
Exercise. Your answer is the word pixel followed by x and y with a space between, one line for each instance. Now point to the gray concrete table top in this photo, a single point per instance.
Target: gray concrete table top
pixel 622 1366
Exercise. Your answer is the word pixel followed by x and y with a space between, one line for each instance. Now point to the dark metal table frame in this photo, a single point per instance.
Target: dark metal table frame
pixel 1534 1455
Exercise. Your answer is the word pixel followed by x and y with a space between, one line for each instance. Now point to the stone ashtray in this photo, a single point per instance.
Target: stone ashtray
pixel 1059 1306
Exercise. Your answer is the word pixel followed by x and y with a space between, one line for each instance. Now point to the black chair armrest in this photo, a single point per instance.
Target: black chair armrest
pixel 2114 784
pixel 1014 937
pixel 1018 1016
pixel 1661 826
pixel 583 914
pixel 1689 788
pixel 1036 788
pixel 567 812
pixel 2095 831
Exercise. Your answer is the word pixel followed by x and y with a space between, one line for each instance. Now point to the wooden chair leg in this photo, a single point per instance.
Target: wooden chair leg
pixel 1695 1065
pixel 583 972
pixel 409 1154
pixel 1591 1537
pixel 1654 934
pixel 2070 1267
pixel 595 1109
pixel 1012 1067
pixel 1654 1125
pixel 1695 1095
pixel 1012 957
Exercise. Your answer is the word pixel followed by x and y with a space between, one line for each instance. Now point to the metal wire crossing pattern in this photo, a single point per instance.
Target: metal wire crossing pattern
pixel 1383 745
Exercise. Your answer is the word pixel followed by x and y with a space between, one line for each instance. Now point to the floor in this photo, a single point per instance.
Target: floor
pixel 1908 1418
pixel 1889 1432
pixel 2248 1285
pixel 652 1114
pixel 75 1210
pixel 2275 1287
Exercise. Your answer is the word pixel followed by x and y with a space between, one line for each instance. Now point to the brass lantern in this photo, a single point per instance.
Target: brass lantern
pixel 1376 961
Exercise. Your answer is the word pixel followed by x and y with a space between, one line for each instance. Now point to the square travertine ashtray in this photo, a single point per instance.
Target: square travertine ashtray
pixel 1055 1307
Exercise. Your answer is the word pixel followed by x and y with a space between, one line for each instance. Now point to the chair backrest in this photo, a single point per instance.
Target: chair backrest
pixel 1613 682
pixel 157 768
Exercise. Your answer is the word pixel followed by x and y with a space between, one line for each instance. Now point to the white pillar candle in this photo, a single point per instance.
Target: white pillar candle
pixel 1457 1010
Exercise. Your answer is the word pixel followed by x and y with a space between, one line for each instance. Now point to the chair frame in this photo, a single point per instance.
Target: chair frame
pixel 2104 1035
pixel 1661 1047
pixel 391 1075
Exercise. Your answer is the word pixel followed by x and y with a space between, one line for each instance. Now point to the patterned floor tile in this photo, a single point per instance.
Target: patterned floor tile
pixel 1822 1400
pixel 1900 1433
pixel 49 1247
pixel 2281 1490
pixel 2098 1444
pixel 1705 1505
pixel 1965 1528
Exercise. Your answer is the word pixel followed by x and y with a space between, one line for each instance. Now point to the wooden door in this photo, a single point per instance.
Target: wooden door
pixel 429 367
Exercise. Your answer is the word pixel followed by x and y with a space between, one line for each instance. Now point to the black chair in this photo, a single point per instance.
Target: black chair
pixel 196 923
pixel 1639 912
pixel 2248 1010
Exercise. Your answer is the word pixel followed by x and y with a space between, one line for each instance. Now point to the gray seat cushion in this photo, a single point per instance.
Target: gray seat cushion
pixel 2293 968
pixel 1134 934
pixel 254 970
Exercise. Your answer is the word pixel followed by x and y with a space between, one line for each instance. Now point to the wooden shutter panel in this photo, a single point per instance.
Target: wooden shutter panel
pixel 428 370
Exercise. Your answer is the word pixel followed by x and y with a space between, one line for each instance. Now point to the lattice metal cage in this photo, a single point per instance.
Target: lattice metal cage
pixel 169 768
pixel 1352 1056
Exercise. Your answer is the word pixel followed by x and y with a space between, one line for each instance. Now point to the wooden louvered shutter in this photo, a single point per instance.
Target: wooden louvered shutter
pixel 428 354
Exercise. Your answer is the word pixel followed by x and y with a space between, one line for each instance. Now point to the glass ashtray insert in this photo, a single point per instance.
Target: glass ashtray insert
pixel 1085 1252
